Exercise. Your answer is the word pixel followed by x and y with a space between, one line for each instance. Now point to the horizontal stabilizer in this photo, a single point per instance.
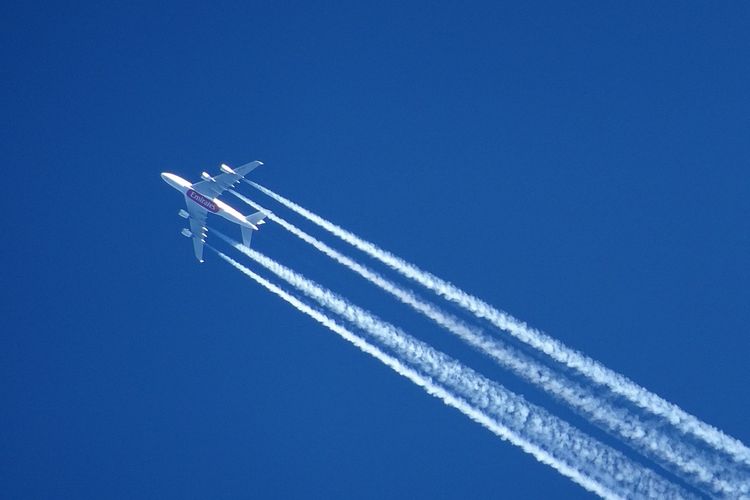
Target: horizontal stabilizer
pixel 247 235
pixel 257 218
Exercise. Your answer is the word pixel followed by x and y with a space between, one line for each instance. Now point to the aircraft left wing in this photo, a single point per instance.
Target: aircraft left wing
pixel 197 227
pixel 215 186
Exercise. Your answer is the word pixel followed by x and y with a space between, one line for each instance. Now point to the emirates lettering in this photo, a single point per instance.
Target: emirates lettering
pixel 203 201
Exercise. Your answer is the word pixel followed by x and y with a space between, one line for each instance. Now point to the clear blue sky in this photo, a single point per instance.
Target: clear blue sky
pixel 585 167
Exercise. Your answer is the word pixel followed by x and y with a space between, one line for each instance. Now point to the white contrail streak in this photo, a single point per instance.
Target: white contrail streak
pixel 680 458
pixel 429 386
pixel 590 368
pixel 592 458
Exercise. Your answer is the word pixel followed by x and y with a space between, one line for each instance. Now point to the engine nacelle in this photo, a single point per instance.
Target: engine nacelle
pixel 187 233
pixel 183 213
pixel 205 176
pixel 225 168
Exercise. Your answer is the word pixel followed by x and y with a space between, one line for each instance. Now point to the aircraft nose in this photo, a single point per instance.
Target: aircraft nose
pixel 174 181
pixel 169 178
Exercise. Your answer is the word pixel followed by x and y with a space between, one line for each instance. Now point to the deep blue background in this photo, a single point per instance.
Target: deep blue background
pixel 584 167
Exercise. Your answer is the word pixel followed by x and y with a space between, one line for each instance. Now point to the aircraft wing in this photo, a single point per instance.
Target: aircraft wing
pixel 216 185
pixel 197 227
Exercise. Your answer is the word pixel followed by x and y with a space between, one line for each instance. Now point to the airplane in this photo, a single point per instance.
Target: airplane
pixel 202 197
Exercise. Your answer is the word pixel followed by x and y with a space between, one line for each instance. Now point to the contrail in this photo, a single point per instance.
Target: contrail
pixel 678 457
pixel 590 457
pixel 588 367
pixel 428 385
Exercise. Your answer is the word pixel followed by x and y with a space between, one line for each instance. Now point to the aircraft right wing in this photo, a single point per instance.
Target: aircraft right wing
pixel 197 227
pixel 216 185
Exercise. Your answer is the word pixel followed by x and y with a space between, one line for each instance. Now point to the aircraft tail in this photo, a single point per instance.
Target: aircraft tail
pixel 247 235
pixel 255 219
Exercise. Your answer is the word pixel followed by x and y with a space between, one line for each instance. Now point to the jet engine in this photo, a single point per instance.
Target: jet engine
pixel 187 233
pixel 183 213
pixel 225 168
pixel 205 176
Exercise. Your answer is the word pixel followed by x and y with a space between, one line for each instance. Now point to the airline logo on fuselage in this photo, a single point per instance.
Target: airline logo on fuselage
pixel 202 201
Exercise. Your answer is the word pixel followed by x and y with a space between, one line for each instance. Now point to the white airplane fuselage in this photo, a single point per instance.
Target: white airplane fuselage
pixel 213 205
